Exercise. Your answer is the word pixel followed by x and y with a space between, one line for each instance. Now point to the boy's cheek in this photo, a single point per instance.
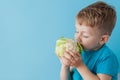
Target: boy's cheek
pixel 85 46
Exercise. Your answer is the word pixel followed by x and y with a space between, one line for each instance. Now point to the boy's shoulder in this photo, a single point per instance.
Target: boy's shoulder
pixel 105 51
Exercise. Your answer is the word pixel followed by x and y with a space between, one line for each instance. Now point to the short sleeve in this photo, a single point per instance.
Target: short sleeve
pixel 107 65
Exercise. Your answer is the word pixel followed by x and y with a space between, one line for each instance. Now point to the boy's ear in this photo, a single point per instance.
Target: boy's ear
pixel 104 39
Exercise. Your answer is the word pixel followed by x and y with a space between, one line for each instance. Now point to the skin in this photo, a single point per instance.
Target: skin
pixel 90 39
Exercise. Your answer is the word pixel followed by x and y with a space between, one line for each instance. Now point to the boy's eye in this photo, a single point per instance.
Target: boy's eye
pixel 85 36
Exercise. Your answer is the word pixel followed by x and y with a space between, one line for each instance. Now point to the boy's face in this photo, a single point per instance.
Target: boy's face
pixel 88 37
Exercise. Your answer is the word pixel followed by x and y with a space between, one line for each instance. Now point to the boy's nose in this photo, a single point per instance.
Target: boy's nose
pixel 79 39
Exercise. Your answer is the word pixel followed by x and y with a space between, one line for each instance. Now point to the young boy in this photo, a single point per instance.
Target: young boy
pixel 94 25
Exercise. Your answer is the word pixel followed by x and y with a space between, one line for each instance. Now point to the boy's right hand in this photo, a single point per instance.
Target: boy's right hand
pixel 65 59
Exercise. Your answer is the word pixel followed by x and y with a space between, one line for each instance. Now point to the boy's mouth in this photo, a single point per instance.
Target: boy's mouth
pixel 81 45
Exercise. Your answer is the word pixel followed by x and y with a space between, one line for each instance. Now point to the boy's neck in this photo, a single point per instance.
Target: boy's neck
pixel 98 47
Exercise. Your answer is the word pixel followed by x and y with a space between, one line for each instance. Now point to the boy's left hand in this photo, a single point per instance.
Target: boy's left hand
pixel 76 59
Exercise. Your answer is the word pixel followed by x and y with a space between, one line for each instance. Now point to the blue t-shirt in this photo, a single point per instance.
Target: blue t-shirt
pixel 101 61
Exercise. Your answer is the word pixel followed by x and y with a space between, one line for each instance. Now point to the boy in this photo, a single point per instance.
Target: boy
pixel 94 25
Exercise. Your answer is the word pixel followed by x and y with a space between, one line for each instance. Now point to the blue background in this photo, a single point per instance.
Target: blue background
pixel 29 30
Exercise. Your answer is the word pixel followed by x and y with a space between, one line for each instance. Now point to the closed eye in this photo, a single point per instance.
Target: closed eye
pixel 85 36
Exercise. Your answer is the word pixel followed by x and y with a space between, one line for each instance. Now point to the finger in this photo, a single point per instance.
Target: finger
pixel 74 54
pixel 77 54
pixel 68 55
pixel 65 60
pixel 73 63
pixel 74 57
pixel 71 53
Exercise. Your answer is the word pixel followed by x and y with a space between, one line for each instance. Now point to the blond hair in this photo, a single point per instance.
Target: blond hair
pixel 100 15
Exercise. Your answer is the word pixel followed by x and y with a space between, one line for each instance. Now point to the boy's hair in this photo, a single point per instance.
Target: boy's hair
pixel 100 15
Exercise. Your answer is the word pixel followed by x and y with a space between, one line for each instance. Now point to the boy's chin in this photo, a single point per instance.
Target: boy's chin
pixel 86 49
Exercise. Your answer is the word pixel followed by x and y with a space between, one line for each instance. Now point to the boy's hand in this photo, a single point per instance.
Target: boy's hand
pixel 71 58
pixel 65 60
pixel 74 57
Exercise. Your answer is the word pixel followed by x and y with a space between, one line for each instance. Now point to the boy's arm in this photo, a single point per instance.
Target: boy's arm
pixel 87 75
pixel 65 73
